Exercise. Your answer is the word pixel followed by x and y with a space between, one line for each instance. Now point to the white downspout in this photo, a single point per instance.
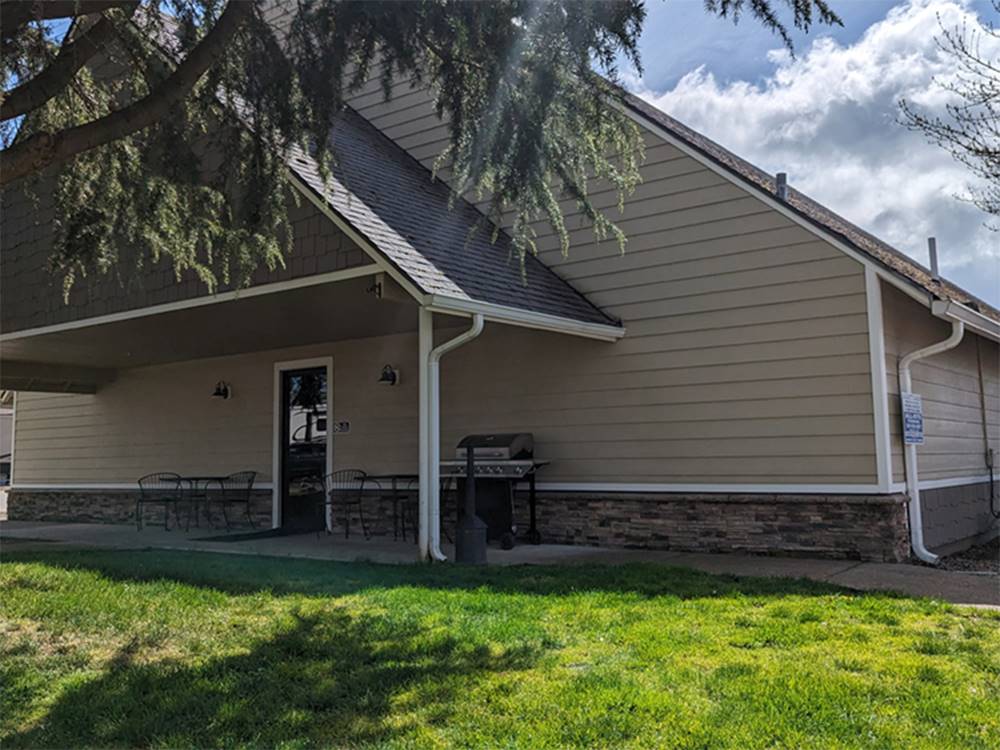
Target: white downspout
pixel 434 433
pixel 910 450
pixel 426 342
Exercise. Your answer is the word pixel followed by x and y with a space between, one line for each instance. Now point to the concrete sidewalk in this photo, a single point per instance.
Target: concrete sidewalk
pixel 980 589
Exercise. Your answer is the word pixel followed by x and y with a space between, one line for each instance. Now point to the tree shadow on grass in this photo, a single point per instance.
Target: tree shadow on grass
pixel 239 574
pixel 328 679
pixel 244 574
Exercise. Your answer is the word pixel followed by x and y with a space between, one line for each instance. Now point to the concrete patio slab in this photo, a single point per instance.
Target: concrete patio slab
pixel 976 589
pixel 815 568
pixel 308 545
pixel 921 580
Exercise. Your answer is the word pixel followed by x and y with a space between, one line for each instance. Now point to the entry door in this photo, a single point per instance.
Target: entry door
pixel 303 447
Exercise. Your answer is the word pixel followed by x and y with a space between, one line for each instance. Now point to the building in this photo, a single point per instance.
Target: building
pixel 730 383
pixel 6 436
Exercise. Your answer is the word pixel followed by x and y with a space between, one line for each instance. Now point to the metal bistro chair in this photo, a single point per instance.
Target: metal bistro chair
pixel 237 489
pixel 163 487
pixel 344 489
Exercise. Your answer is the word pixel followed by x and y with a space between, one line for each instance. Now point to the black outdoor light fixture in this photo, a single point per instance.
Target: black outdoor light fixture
pixel 223 390
pixel 389 376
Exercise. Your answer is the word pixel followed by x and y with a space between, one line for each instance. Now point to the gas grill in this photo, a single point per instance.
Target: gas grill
pixel 501 460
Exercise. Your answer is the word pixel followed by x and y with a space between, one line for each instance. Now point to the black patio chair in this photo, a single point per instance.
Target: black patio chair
pixel 237 489
pixel 344 489
pixel 164 488
pixel 409 508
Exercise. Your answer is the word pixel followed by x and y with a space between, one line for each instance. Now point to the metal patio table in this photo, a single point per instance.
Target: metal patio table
pixel 197 490
pixel 394 480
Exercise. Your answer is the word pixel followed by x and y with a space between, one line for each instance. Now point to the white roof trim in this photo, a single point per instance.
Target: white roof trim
pixel 906 285
pixel 937 484
pixel 211 299
pixel 360 240
pixel 974 321
pixel 708 489
pixel 457 306
pixel 524 318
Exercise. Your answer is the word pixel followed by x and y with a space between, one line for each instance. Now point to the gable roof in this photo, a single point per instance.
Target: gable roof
pixel 458 261
pixel 815 213
pixel 439 242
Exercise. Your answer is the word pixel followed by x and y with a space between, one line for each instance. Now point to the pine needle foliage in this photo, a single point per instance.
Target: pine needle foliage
pixel 217 93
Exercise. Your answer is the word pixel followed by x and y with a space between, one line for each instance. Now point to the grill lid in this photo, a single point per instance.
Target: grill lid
pixel 505 446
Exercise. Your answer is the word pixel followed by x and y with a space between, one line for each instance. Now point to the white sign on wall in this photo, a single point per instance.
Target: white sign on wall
pixel 913 418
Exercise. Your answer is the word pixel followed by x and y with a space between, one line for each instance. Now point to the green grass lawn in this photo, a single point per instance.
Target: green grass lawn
pixel 166 649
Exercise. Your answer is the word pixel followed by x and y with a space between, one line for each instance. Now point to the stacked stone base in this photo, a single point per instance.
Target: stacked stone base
pixel 119 506
pixel 849 526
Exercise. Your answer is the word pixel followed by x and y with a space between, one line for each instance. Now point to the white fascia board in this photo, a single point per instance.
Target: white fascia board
pixel 211 299
pixel 774 489
pixel 909 287
pixel 456 306
pixel 706 489
pixel 13 439
pixel 974 321
pixel 523 318
pixel 879 380
pixel 937 484
pixel 709 489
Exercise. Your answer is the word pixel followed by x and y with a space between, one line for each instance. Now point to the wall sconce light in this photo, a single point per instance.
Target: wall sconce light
pixel 389 376
pixel 223 390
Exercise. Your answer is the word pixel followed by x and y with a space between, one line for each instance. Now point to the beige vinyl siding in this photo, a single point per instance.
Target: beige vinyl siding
pixel 949 385
pixel 746 354
pixel 603 415
pixel 718 423
pixel 163 418
pixel 745 361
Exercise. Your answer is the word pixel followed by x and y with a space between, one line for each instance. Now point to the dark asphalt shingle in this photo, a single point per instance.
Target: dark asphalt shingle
pixel 440 242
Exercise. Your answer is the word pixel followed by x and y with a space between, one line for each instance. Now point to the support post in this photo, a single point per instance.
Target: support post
pixel 434 433
pixel 426 342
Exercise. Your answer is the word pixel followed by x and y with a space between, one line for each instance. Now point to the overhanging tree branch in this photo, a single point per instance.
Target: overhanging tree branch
pixel 16 13
pixel 45 149
pixel 72 56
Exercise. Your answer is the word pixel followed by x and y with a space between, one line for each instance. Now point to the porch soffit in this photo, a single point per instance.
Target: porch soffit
pixel 294 317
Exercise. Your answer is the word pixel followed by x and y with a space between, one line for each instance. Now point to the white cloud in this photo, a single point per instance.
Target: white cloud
pixel 828 119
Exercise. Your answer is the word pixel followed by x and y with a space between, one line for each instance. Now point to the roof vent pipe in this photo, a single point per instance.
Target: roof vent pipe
pixel 932 252
pixel 781 186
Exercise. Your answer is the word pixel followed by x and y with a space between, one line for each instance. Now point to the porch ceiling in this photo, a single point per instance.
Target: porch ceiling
pixel 79 358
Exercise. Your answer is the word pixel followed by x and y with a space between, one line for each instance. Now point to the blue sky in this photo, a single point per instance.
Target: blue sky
pixel 679 36
pixel 828 116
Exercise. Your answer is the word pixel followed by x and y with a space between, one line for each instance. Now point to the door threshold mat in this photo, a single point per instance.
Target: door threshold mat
pixel 251 535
